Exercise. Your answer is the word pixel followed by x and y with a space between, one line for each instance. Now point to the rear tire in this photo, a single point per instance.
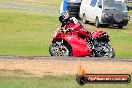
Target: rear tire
pixel 106 51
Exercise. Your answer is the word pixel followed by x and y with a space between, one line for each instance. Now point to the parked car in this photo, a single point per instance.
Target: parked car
pixel 109 12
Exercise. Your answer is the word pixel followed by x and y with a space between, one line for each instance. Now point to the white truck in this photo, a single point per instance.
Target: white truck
pixel 108 12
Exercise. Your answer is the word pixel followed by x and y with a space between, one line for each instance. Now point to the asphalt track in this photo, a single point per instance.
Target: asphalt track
pixel 27 7
pixel 65 58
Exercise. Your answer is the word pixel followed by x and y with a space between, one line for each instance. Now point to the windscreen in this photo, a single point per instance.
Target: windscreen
pixel 112 4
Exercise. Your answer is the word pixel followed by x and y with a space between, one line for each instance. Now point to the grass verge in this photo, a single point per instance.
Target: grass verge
pixel 26 32
pixel 51 82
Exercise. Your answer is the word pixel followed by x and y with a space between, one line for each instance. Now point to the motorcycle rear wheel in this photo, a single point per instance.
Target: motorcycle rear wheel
pixel 58 49
pixel 106 51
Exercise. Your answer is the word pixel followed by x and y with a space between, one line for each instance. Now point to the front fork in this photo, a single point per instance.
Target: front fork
pixel 60 43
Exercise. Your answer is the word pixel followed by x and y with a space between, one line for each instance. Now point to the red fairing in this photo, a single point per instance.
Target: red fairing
pixel 57 35
pixel 71 25
pixel 97 33
pixel 79 46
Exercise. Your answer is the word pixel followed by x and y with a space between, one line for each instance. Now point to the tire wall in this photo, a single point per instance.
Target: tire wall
pixel 74 9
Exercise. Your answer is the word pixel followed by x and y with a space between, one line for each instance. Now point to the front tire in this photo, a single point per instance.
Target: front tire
pixel 59 49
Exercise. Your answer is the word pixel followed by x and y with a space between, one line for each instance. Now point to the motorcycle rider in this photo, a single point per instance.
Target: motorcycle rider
pixel 65 19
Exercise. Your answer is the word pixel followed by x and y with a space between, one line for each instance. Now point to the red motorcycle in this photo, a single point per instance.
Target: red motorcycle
pixel 68 42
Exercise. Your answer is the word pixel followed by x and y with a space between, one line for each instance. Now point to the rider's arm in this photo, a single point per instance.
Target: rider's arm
pixel 76 26
pixel 76 22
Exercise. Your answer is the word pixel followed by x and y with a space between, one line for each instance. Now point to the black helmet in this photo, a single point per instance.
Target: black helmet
pixel 63 16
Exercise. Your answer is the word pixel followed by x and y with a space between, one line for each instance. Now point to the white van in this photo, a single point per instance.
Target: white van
pixel 110 12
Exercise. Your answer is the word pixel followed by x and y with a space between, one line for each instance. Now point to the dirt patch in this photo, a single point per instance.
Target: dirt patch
pixel 15 72
pixel 41 67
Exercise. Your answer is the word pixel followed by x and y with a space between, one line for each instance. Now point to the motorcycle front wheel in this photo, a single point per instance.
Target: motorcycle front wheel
pixel 58 49
pixel 104 50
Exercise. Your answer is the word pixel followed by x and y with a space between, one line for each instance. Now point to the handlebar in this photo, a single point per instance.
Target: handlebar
pixel 64 31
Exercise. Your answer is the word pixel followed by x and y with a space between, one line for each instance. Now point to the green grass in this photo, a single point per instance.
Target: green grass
pixel 121 42
pixel 129 4
pixel 51 82
pixel 26 32
pixel 130 13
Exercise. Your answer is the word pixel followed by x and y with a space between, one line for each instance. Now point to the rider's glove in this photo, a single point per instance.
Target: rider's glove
pixel 71 29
